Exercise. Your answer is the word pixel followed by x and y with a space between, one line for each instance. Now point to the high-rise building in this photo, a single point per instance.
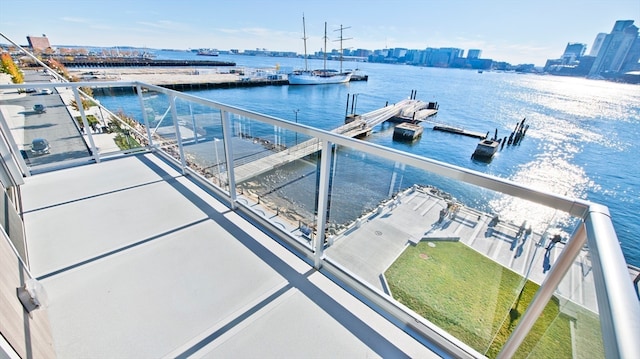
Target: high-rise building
pixel 474 54
pixel 597 44
pixel 632 64
pixel 399 52
pixel 617 51
pixel 444 56
pixel 574 51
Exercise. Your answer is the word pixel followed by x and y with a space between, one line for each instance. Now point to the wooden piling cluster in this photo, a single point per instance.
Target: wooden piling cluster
pixel 518 133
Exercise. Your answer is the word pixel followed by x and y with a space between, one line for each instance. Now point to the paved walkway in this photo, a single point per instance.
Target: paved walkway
pixel 57 124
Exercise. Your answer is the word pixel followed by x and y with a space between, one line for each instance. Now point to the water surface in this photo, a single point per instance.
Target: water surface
pixel 582 140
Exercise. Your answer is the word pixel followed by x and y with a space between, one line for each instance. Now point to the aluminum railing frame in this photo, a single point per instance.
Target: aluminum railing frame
pixel 617 302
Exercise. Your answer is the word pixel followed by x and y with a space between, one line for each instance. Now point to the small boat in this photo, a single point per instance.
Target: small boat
pixel 486 149
pixel 208 52
pixel 357 75
pixel 318 77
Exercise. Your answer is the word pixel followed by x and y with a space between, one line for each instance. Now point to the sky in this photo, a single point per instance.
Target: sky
pixel 515 31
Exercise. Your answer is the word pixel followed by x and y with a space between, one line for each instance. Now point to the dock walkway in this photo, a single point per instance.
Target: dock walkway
pixel 405 110
pixel 460 131
pixel 359 127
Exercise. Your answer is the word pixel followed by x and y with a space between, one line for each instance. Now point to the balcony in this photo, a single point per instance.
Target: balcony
pixel 213 231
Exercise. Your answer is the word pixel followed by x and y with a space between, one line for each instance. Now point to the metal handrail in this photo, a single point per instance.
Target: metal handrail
pixel 617 302
pixel 574 207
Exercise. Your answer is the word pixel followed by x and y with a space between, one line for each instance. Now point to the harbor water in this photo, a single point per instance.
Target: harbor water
pixel 582 139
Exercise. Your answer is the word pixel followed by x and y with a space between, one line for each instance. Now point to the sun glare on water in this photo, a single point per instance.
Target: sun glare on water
pixel 546 174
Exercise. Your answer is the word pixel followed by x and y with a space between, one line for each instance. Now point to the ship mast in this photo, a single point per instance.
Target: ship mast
pixel 304 37
pixel 325 46
pixel 342 39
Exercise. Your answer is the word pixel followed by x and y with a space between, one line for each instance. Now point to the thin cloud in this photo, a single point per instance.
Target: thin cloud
pixel 76 20
pixel 101 27
pixel 165 25
pixel 254 31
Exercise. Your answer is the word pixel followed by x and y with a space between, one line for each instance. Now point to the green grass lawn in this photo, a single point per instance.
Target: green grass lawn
pixel 91 119
pixel 477 300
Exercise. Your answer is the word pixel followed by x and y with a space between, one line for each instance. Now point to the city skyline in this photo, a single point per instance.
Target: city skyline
pixel 504 31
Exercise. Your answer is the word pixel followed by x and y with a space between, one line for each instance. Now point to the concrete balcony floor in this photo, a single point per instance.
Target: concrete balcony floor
pixel 140 262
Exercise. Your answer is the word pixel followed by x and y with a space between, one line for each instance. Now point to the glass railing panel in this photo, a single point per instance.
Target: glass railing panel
pixel 118 100
pixel 202 139
pixel 565 329
pixel 276 173
pixel 467 259
pixel 43 129
pixel 113 118
pixel 157 108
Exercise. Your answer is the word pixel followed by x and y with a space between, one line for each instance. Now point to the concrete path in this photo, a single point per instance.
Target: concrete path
pixel 376 241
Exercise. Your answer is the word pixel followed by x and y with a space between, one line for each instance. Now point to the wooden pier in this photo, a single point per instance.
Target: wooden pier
pixel 407 110
pixel 138 62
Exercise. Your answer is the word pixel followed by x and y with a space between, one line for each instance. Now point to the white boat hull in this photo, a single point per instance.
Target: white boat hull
pixel 311 78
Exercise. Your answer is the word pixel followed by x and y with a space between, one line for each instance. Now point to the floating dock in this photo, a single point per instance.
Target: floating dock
pixel 358 77
pixel 419 111
pixel 461 131
pixel 486 149
pixel 355 126
pixel 407 131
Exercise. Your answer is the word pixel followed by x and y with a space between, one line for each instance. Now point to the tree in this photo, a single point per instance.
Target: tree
pixel 59 68
pixel 9 67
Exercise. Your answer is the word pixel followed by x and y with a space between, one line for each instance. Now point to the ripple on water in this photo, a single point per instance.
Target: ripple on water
pixel 546 173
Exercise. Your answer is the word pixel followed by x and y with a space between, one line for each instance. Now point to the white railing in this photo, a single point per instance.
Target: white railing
pixel 618 304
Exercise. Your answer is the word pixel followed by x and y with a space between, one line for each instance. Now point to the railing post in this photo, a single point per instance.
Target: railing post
pixel 145 117
pixel 545 292
pixel 174 116
pixel 85 123
pixel 228 156
pixel 618 304
pixel 323 201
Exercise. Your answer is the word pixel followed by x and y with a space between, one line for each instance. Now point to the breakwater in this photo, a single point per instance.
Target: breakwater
pixel 116 90
pixel 224 85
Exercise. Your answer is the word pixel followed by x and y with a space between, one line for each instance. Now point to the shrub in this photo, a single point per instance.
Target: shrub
pixel 9 67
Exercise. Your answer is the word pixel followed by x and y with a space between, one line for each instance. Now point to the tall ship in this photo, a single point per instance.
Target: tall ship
pixel 318 77
pixel 322 76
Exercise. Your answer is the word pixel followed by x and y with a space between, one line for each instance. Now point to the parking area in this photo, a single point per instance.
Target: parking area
pixel 41 114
